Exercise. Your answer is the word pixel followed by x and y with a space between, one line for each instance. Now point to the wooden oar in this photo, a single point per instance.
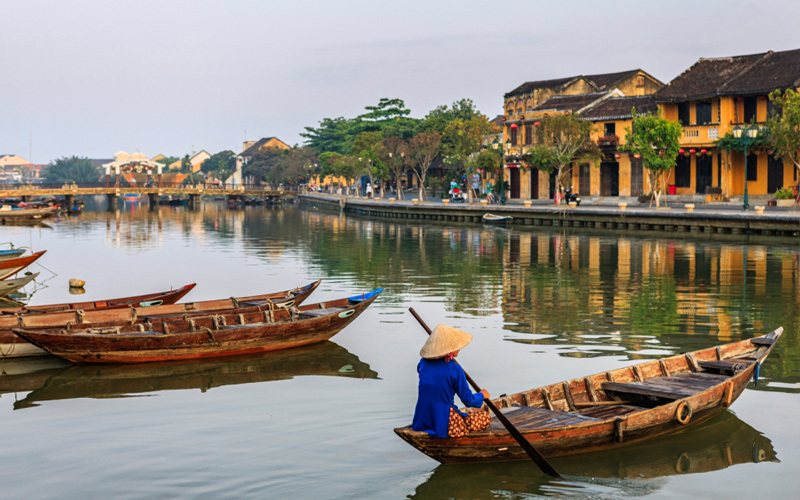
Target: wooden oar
pixel 528 447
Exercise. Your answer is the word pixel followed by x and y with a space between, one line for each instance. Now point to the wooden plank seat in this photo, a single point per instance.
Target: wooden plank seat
pixel 606 412
pixel 529 417
pixel 762 341
pixel 677 386
pixel 730 366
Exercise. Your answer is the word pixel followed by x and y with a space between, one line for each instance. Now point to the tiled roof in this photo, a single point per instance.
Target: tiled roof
pixel 619 108
pixel 608 80
pixel 749 74
pixel 528 87
pixel 256 146
pixel 569 102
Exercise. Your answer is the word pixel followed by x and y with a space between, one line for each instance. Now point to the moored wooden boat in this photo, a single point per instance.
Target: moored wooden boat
pixel 497 219
pixel 15 214
pixel 13 266
pixel 13 346
pixel 8 286
pixel 11 253
pixel 224 334
pixel 610 409
pixel 149 299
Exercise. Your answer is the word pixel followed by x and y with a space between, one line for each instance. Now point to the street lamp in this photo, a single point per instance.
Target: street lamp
pixel 747 135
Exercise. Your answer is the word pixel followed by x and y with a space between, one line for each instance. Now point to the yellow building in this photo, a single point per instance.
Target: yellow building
pixel 711 99
pixel 532 102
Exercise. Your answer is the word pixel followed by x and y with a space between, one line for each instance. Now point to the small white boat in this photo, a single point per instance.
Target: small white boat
pixel 8 286
pixel 497 219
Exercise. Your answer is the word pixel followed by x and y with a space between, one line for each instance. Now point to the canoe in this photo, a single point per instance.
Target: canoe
pixel 13 266
pixel 497 219
pixel 224 334
pixel 149 299
pixel 11 253
pixel 28 213
pixel 13 346
pixel 118 381
pixel 610 409
pixel 8 286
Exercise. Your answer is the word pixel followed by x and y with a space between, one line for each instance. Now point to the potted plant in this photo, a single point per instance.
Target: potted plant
pixel 784 197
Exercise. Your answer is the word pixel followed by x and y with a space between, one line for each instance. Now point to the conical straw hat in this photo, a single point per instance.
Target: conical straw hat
pixel 444 340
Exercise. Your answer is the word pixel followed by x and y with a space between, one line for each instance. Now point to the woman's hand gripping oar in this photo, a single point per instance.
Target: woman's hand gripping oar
pixel 528 447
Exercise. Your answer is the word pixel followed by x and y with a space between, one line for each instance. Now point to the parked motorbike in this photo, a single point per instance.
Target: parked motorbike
pixel 456 195
pixel 569 196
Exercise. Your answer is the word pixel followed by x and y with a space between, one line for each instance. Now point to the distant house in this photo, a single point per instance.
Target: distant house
pixel 14 168
pixel 250 148
pixel 195 161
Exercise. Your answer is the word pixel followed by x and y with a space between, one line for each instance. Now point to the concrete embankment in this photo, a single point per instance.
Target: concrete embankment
pixel 684 218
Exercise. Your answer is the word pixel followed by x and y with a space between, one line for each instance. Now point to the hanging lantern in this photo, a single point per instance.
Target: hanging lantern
pixel 637 156
pixel 682 151
pixel 536 124
pixel 692 151
pixel 566 113
pixel 513 125
pixel 618 156
pixel 703 151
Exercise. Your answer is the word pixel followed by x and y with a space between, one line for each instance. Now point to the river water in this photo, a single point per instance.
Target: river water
pixel 544 305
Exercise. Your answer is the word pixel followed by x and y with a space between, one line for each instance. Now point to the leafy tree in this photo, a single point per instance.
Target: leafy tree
pixel 337 165
pixel 565 139
pixel 462 142
pixel 438 118
pixel 333 135
pixel 657 141
pixel 72 169
pixel 396 160
pixel 221 164
pixel 289 166
pixel 423 148
pixel 186 164
pixel 167 161
pixel 369 149
pixel 784 126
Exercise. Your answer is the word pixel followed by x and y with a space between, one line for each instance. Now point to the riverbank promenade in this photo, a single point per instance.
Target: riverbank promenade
pixel 681 214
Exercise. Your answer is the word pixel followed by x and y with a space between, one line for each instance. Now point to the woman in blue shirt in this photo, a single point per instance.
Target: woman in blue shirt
pixel 440 378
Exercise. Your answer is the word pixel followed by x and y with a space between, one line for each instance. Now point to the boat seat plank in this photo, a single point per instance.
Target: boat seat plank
pixel 643 389
pixel 726 365
pixel 762 341
pixel 606 412
pixel 321 312
pixel 529 417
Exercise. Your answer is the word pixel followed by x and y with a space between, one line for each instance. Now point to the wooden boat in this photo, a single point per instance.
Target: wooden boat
pixel 497 219
pixel 13 266
pixel 28 213
pixel 11 253
pixel 148 299
pixel 9 286
pixel 224 334
pixel 13 346
pixel 117 381
pixel 610 409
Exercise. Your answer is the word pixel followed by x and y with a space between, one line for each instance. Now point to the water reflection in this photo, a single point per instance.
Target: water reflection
pixel 720 443
pixel 104 381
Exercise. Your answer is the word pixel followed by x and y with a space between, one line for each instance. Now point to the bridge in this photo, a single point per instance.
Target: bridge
pixel 194 191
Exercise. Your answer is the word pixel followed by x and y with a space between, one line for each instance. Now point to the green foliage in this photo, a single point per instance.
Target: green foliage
pixel 784 193
pixel 488 160
pixel 564 139
pixel 220 165
pixel 729 142
pixel 657 141
pixel 168 160
pixel 72 169
pixel 784 127
pixel 295 165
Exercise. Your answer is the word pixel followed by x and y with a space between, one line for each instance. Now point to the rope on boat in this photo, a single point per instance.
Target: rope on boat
pixel 235 303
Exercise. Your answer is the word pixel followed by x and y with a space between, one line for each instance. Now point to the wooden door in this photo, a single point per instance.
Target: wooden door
pixel 584 179
pixel 609 179
pixel 703 174
pixel 774 173
pixel 534 184
pixel 637 177
pixel 514 174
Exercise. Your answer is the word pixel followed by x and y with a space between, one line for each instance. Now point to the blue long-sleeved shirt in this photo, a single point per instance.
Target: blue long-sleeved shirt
pixel 439 381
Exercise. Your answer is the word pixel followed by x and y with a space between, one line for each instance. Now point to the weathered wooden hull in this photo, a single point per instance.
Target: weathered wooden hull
pixel 13 266
pixel 203 337
pixel 586 414
pixel 153 299
pixel 9 286
pixel 13 346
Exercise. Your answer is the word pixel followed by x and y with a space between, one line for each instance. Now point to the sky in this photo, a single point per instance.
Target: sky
pixel 90 78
